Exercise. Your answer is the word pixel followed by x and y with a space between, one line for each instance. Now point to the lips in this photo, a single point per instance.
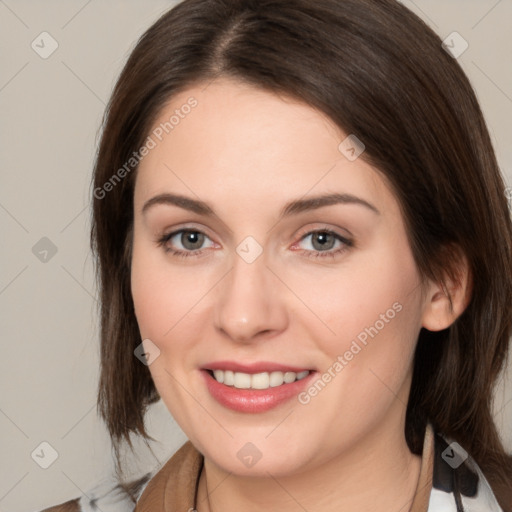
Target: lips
pixel 255 387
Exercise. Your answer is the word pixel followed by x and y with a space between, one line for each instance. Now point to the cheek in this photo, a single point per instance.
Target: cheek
pixel 371 315
pixel 371 291
pixel 162 306
pixel 163 296
pixel 152 305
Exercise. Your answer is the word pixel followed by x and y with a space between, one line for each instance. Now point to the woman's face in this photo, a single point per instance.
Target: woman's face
pixel 261 292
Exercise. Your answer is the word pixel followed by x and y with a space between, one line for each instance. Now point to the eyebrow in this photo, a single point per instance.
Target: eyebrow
pixel 293 207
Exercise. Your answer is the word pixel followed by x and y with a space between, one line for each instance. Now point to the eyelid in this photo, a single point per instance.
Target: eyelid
pixel 166 232
pixel 324 227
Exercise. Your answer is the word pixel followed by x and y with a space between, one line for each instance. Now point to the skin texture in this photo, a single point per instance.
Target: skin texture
pixel 247 153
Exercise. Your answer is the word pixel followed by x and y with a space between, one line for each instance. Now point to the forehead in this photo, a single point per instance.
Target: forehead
pixel 224 138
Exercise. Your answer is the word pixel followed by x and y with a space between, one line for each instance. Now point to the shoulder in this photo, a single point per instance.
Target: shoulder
pixel 110 495
pixel 107 495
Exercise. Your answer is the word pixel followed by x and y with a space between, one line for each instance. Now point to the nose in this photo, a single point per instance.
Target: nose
pixel 250 304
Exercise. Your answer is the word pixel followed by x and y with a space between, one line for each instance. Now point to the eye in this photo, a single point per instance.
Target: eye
pixel 322 241
pixel 191 240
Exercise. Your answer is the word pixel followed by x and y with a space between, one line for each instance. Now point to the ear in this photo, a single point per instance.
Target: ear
pixel 447 299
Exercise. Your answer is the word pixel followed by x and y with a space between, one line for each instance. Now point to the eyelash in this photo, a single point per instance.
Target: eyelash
pixel 161 241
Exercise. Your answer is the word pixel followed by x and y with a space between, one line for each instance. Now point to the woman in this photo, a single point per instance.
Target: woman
pixel 303 247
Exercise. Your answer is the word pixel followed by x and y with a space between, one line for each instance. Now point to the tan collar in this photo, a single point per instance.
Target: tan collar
pixel 174 487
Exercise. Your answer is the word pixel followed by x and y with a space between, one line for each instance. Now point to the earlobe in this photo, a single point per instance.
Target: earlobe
pixel 446 301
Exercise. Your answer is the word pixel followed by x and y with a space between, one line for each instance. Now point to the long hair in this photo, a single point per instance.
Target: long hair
pixel 378 71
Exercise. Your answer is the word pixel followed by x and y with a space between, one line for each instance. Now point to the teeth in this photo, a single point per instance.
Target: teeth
pixel 276 379
pixel 260 381
pixel 219 375
pixel 242 380
pixel 257 380
pixel 289 377
pixel 229 378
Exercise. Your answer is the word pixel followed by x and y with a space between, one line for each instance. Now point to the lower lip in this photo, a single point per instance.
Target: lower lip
pixel 254 400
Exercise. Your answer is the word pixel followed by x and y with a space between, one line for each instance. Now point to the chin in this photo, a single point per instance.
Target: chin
pixel 257 456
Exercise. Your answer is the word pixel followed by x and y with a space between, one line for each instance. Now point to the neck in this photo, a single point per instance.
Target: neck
pixel 378 474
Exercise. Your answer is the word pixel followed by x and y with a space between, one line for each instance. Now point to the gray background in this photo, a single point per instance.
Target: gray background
pixel 51 112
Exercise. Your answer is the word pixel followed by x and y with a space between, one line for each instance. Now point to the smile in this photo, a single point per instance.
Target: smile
pixel 254 388
pixel 263 380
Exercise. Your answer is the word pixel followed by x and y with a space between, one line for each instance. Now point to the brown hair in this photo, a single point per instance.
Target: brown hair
pixel 378 72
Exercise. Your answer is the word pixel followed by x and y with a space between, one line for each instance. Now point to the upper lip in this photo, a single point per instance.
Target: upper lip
pixel 256 367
